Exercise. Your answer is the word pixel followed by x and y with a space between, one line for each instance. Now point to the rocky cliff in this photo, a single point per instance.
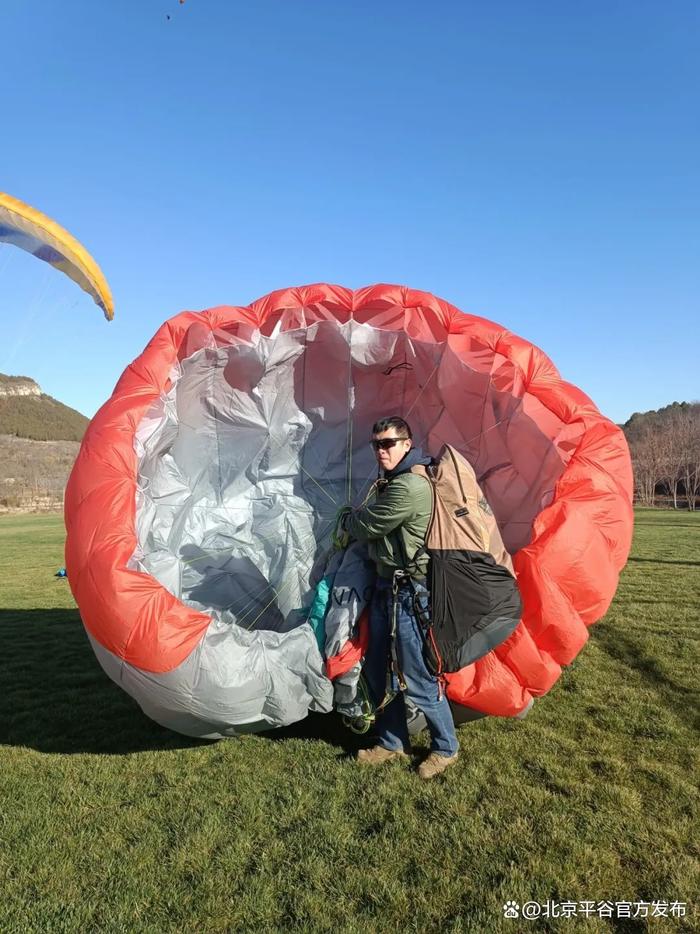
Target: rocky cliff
pixel 18 386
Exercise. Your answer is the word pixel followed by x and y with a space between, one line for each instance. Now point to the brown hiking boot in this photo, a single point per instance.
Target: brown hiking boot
pixel 435 764
pixel 378 755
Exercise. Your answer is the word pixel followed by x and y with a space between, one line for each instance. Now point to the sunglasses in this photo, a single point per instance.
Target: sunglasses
pixel 385 444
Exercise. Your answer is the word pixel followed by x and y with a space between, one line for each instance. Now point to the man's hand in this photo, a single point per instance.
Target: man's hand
pixel 341 536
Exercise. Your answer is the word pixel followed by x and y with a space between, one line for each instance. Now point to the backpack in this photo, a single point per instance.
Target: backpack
pixel 474 599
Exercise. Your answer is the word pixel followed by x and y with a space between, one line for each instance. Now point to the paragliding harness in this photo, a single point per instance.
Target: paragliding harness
pixel 402 577
pixel 421 606
pixel 422 613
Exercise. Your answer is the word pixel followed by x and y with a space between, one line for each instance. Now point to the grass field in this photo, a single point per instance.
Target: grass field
pixel 109 823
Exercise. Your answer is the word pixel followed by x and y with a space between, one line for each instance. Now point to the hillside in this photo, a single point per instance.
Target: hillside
pixel 33 474
pixel 39 441
pixel 27 412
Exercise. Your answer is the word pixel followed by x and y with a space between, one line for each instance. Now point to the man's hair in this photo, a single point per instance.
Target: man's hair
pixel 393 421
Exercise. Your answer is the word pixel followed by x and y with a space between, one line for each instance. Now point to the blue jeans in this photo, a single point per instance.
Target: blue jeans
pixel 421 687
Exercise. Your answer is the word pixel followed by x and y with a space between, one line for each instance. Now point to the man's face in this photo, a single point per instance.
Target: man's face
pixel 389 457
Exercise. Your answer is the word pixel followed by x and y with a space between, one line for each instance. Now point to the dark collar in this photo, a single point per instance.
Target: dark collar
pixel 410 459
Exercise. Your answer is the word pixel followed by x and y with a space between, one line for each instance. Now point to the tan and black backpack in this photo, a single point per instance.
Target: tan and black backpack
pixel 474 599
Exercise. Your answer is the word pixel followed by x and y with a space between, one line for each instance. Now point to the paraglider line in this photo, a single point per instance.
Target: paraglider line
pixel 334 501
pixel 425 385
pixel 487 430
pixel 312 536
pixel 8 257
pixel 254 600
pixel 34 309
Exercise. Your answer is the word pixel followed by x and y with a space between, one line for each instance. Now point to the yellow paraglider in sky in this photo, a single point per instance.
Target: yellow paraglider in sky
pixel 30 230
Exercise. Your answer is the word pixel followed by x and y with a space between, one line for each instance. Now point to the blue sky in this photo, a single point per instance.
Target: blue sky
pixel 534 163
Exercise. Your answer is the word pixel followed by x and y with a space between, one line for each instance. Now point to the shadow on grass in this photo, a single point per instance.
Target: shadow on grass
pixel 689 564
pixel 665 525
pixel 325 728
pixel 54 697
pixel 680 700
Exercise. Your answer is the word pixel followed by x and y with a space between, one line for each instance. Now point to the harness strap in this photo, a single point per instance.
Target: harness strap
pixel 398 579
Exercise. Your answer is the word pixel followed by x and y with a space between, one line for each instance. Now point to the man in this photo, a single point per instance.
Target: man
pixel 394 522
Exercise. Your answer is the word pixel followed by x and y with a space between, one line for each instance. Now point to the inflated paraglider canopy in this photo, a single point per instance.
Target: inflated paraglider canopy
pixel 201 505
pixel 30 230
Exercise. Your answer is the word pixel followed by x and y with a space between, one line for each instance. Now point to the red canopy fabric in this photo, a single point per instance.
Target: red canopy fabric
pixel 567 571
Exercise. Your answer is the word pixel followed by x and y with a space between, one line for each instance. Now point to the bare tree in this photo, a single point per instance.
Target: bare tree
pixel 665 448
pixel 672 454
pixel 648 461
pixel 689 444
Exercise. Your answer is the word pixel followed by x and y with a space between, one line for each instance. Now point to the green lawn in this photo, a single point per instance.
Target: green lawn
pixel 109 823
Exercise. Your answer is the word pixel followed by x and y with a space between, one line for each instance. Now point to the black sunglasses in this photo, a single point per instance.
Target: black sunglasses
pixel 385 443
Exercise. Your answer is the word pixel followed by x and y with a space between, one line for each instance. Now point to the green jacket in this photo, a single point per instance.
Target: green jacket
pixel 394 519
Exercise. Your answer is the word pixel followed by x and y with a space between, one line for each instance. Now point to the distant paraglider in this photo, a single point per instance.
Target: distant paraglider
pixel 167 15
pixel 30 230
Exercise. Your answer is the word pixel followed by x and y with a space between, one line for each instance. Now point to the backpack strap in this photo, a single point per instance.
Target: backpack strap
pixel 419 470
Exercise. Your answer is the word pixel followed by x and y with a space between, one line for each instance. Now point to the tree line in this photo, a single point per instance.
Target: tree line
pixel 665 449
